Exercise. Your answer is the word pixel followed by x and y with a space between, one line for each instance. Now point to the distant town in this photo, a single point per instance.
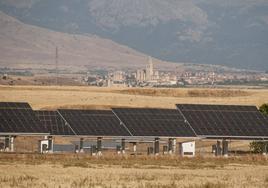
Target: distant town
pixel 186 75
pixel 151 77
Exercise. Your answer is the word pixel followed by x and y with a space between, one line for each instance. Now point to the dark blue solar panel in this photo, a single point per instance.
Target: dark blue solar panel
pixel 94 122
pixel 54 123
pixel 154 122
pixel 14 105
pixel 225 120
pixel 20 121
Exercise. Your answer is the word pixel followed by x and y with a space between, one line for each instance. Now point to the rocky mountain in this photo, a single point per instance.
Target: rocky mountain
pixel 26 46
pixel 230 32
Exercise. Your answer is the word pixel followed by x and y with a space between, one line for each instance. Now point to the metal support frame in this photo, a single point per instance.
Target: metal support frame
pixel 9 143
pixel 81 145
pixel 265 149
pixel 165 150
pixel 225 148
pixel 135 147
pixel 174 145
pixel 170 145
pixel 99 146
pixel 156 146
pixel 50 144
pixel 123 145
pixel 218 149
pixel 180 149
pixel 93 150
pixel 12 138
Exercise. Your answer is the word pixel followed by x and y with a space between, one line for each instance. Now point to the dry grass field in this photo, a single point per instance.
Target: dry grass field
pixel 70 170
pixel 77 171
pixel 52 97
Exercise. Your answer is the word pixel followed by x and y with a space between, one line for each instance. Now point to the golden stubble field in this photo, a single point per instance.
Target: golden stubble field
pixel 77 171
pixel 52 97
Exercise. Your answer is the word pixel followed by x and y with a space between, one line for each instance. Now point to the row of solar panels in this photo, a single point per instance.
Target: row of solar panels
pixel 186 121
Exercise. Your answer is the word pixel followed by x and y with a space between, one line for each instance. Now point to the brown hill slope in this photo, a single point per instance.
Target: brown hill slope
pixel 25 46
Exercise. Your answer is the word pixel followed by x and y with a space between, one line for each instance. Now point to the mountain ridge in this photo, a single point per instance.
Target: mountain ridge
pixel 230 33
pixel 23 44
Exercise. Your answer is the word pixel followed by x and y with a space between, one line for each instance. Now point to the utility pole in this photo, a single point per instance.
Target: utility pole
pixel 56 63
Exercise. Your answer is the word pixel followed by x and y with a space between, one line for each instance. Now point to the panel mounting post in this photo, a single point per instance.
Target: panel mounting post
pixel 156 146
pixel 81 145
pixel 11 141
pixel 135 147
pixel 174 145
pixel 6 146
pixel 170 145
pixel 123 145
pixel 218 148
pixel 225 148
pixel 50 144
pixel 99 146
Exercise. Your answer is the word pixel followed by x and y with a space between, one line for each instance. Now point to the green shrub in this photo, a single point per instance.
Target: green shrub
pixel 264 108
pixel 258 147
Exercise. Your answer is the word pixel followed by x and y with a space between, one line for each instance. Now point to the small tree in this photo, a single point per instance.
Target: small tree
pixel 260 147
pixel 264 108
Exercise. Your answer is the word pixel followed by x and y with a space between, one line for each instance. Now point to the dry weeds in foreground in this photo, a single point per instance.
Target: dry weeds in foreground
pixel 30 170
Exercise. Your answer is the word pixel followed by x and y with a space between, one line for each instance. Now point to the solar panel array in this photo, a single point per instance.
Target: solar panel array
pixel 188 121
pixel 19 118
pixel 231 108
pixel 154 122
pixel 225 120
pixel 94 122
pixel 14 105
pixel 54 123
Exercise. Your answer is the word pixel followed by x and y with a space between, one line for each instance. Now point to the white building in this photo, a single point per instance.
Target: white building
pixel 150 70
pixel 118 76
pixel 141 75
pixel 148 74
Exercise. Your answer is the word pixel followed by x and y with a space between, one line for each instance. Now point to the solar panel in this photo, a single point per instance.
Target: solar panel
pixel 233 108
pixel 20 121
pixel 14 105
pixel 54 123
pixel 94 122
pixel 225 120
pixel 154 122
